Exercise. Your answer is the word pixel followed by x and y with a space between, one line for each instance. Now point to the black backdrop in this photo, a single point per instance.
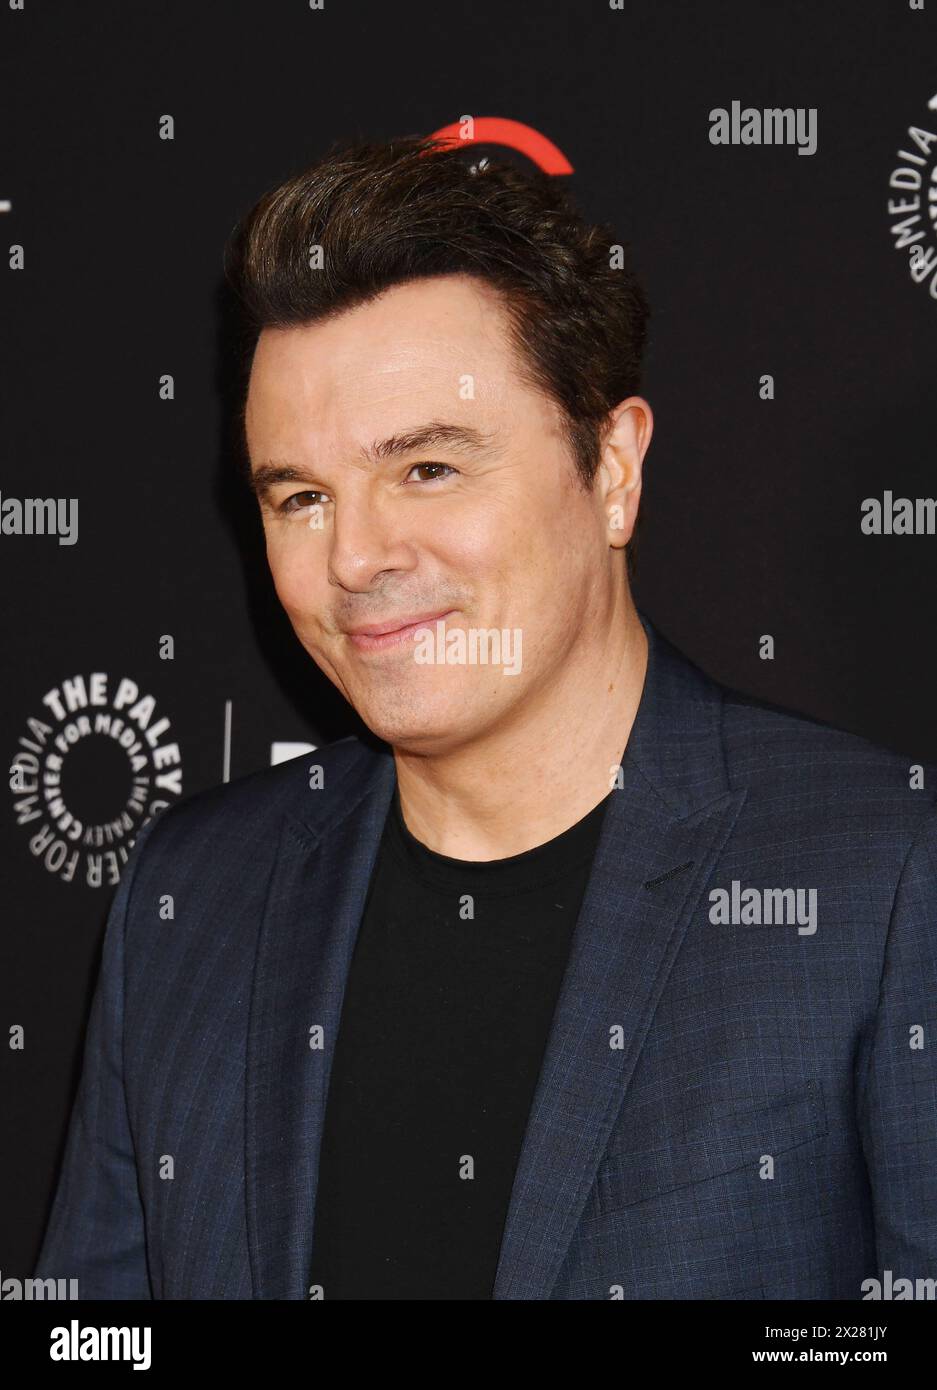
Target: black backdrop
pixel 757 260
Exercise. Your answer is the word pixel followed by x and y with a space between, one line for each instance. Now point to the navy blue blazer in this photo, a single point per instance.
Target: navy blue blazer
pixel 725 1110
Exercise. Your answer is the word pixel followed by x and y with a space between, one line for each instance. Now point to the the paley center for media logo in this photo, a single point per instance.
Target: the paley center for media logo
pixel 912 199
pixel 95 761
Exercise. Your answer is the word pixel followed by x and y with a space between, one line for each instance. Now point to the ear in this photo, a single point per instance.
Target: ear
pixel 628 435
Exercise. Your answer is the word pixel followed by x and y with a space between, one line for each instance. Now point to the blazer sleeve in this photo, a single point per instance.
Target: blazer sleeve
pixel 898 1108
pixel 95 1232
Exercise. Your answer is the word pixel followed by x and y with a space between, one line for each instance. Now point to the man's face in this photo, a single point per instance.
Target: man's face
pixel 492 530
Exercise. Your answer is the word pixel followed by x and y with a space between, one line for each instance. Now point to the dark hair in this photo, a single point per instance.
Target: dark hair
pixel 415 207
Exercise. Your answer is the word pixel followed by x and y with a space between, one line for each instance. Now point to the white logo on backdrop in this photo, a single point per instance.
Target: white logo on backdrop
pixel 88 774
pixel 285 752
pixel 912 203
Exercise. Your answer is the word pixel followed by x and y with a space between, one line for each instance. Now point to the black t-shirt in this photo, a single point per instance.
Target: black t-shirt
pixel 453 983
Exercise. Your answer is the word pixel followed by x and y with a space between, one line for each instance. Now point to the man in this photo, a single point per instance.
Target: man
pixel 588 977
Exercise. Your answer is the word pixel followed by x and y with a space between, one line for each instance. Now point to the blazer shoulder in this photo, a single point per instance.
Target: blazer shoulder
pixel 251 807
pixel 831 770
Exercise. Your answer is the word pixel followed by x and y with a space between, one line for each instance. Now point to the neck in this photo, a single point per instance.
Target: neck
pixel 529 779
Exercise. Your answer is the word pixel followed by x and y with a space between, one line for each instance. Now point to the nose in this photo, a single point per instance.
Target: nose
pixel 366 542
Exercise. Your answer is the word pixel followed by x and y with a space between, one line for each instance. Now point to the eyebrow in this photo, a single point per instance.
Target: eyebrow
pixel 460 439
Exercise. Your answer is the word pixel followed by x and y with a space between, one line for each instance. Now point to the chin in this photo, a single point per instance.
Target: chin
pixel 417 729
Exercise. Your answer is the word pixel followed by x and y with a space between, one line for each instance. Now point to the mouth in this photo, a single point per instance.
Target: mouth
pixel 376 637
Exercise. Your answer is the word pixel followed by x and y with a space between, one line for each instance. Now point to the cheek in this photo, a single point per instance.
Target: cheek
pixel 498 548
pixel 547 570
pixel 294 568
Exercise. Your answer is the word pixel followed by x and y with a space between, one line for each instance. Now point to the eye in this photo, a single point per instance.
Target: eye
pixel 433 465
pixel 288 506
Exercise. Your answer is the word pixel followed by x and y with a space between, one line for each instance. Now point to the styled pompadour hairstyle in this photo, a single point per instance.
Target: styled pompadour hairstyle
pixel 414 207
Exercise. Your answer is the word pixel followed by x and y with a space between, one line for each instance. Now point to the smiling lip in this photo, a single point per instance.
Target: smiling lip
pixel 371 637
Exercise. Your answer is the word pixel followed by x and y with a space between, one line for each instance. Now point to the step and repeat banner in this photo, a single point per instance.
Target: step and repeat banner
pixel 772 168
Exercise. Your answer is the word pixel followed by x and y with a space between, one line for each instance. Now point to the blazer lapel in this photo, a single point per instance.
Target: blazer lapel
pixel 314 905
pixel 667 822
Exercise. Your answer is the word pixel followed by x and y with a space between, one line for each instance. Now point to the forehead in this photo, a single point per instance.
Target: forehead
pixel 436 343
